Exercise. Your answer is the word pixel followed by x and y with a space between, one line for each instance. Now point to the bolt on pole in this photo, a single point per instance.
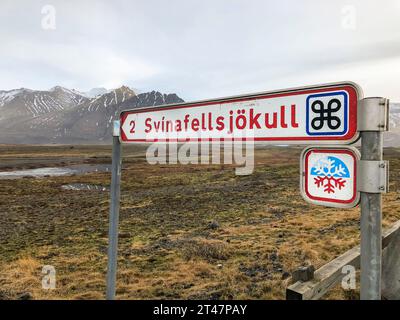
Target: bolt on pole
pixel 114 214
pixel 374 124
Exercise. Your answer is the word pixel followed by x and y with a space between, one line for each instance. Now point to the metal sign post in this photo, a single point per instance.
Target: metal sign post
pixel 114 213
pixel 371 225
pixel 372 183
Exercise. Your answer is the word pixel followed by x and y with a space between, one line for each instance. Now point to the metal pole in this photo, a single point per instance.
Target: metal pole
pixel 371 224
pixel 114 214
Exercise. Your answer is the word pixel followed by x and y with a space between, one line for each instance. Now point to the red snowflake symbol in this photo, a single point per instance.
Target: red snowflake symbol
pixel 330 183
pixel 328 176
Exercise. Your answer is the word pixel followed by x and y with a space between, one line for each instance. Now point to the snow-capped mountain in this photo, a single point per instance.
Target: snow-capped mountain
pixel 394 119
pixel 25 102
pixel 392 138
pixel 110 98
pixel 62 115
pixel 94 92
pixel 7 96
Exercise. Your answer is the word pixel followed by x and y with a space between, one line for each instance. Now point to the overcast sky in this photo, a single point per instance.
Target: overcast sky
pixel 200 49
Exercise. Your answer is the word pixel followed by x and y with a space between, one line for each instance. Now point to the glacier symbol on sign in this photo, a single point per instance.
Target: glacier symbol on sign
pixel 330 173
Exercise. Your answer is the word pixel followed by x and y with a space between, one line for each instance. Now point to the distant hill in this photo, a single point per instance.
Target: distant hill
pixel 25 102
pixel 61 115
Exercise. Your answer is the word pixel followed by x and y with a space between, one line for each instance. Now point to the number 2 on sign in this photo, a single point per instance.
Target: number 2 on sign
pixel 132 124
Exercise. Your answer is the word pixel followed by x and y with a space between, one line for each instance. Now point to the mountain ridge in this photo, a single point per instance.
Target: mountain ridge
pixel 61 115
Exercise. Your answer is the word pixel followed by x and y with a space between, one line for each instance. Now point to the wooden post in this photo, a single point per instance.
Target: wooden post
pixel 391 269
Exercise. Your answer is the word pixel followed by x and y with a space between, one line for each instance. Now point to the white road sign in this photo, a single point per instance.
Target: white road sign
pixel 319 114
pixel 329 176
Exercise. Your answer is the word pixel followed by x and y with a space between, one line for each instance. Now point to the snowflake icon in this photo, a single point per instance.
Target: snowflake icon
pixel 330 174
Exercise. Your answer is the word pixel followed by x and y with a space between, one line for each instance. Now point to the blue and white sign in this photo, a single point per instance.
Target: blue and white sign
pixel 329 176
pixel 327 113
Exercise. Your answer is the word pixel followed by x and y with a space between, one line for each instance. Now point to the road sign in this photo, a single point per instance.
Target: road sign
pixel 324 114
pixel 329 176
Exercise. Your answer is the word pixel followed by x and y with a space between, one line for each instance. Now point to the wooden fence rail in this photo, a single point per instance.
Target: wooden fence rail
pixel 331 274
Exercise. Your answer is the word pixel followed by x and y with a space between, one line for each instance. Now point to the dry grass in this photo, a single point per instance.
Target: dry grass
pixel 186 232
pixel 24 274
pixel 205 249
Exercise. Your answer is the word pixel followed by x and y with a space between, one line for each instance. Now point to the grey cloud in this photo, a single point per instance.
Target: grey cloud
pixel 199 49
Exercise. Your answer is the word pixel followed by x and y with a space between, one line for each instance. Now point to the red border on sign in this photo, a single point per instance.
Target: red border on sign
pixel 352 128
pixel 354 173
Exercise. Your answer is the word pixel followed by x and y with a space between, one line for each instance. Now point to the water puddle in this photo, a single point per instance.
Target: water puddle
pixel 84 186
pixel 55 171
